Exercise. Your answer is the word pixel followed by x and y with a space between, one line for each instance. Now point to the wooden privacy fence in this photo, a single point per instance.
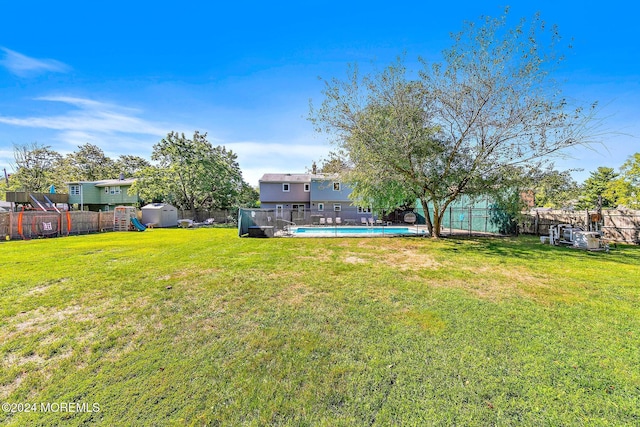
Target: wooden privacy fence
pixel 622 225
pixel 34 224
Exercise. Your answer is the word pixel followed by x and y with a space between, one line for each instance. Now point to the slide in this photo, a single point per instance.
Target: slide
pixel 138 225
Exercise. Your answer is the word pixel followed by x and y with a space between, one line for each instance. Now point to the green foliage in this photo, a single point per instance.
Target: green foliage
pixel 628 185
pixel 555 189
pixel 334 164
pixel 461 126
pixel 35 168
pixel 131 166
pixel 89 163
pixel 506 211
pixel 4 186
pixel 199 327
pixel 249 197
pixel 599 190
pixel 193 174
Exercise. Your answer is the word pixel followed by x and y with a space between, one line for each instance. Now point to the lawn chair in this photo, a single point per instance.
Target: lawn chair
pixel 329 221
pixel 370 220
pixel 363 221
pixel 323 221
pixel 338 220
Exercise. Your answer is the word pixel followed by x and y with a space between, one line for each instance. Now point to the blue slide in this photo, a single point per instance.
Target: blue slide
pixel 138 225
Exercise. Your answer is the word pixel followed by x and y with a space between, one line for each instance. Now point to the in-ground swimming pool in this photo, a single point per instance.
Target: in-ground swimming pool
pixel 356 231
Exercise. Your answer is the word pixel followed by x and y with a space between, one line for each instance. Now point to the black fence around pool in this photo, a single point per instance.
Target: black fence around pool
pixel 284 222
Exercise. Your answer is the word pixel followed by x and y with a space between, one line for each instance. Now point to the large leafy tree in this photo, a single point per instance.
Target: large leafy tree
pixel 599 189
pixel 130 166
pixel 459 125
pixel 627 186
pixel 90 163
pixel 35 168
pixel 192 173
pixel 554 189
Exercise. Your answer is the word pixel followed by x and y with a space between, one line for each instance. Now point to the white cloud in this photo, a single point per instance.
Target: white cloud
pixel 24 66
pixel 258 158
pixel 122 130
pixel 285 151
pixel 91 118
pixel 6 158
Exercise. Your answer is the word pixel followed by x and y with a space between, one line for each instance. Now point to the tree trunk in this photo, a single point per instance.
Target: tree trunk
pixel 427 217
pixel 437 222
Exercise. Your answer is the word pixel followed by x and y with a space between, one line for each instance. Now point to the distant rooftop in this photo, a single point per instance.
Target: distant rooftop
pixel 106 182
pixel 294 177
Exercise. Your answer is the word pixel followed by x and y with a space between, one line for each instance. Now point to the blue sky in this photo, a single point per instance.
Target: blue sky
pixel 121 75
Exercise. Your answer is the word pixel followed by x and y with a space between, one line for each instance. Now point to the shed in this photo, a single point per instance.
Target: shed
pixel 160 214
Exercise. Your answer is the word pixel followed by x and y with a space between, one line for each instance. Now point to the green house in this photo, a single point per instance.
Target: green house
pixel 102 195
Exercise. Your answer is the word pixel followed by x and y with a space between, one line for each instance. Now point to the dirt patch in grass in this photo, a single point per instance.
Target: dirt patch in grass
pixel 407 259
pixel 42 288
pixel 182 274
pixel 320 255
pixel 6 390
pixel 16 360
pixel 354 260
pixel 42 319
pixel 496 283
pixel 294 295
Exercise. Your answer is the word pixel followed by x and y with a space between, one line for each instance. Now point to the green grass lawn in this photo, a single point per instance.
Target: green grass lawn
pixel 199 327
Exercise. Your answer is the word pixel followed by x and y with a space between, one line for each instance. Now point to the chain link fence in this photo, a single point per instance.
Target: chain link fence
pixel 280 222
pixel 219 216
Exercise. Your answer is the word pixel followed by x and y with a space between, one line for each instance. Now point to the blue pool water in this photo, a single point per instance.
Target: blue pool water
pixel 356 231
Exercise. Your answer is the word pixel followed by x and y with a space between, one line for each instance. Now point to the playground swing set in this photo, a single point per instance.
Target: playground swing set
pixel 125 218
pixel 48 215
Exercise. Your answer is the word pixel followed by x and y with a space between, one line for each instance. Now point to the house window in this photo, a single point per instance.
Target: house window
pixel 336 186
pixel 320 207
pixel 362 210
pixel 307 188
pixel 74 190
pixel 286 187
pixel 337 207
pixel 114 190
pixel 106 190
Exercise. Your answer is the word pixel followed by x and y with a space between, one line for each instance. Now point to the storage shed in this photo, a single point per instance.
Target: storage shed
pixel 160 215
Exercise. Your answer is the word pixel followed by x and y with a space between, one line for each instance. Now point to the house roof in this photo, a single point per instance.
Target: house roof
pixel 286 177
pixel 114 182
pixel 106 182
pixel 295 177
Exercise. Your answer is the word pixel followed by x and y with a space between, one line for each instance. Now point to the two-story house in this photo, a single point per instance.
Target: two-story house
pixel 329 194
pixel 102 195
pixel 286 192
pixel 294 196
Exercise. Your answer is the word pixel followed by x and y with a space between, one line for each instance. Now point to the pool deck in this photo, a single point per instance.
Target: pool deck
pixel 367 231
pixel 422 231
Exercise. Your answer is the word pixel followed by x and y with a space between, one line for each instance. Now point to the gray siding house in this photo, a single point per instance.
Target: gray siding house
pixel 286 192
pixel 295 195
pixel 329 194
